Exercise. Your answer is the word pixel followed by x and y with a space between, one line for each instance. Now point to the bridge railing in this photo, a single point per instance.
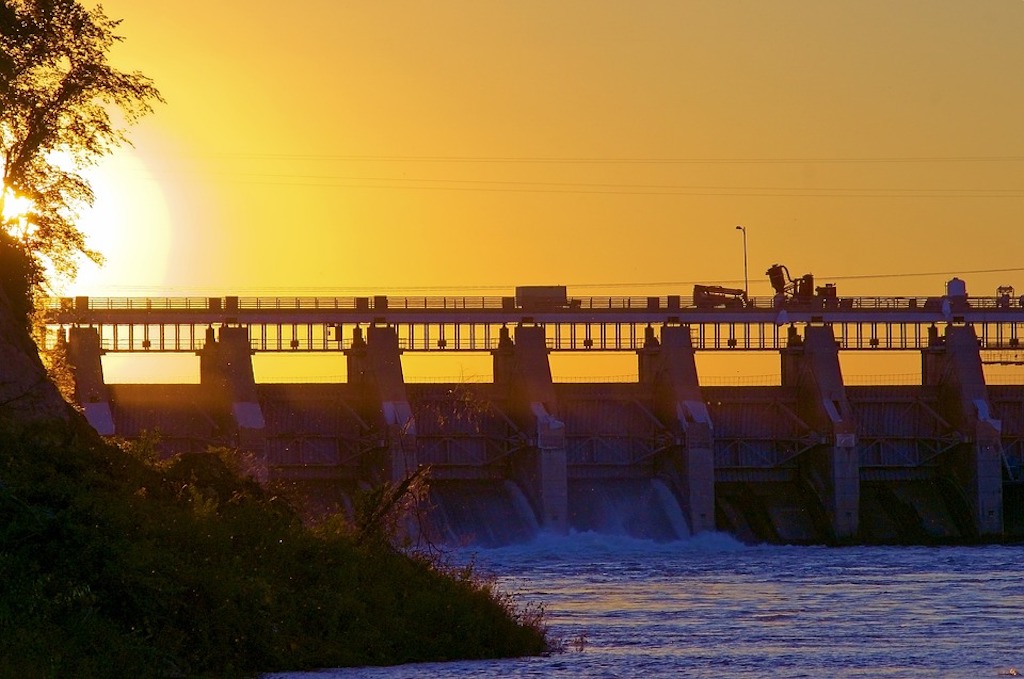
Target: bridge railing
pixel 378 303
pixel 486 303
pixel 475 323
pixel 125 303
pixel 504 303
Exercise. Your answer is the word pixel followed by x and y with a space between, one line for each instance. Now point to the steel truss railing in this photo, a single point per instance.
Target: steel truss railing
pixel 476 323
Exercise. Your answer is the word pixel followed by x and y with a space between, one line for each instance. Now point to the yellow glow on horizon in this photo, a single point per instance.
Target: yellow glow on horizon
pixel 428 148
pixel 129 224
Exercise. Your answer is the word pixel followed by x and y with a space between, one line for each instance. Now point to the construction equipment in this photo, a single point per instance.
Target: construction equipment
pixel 800 290
pixel 714 296
pixel 1004 296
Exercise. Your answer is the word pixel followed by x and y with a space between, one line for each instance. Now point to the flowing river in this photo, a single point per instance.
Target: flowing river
pixel 712 607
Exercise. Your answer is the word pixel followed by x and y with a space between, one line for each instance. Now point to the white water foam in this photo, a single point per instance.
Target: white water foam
pixel 671 507
pixel 522 506
pixel 575 546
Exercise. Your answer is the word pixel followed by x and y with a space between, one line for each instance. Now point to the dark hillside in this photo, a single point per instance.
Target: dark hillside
pixel 113 565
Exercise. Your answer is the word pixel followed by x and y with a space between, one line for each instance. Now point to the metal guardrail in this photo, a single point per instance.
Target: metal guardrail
pixel 68 304
pixel 474 323
pixel 496 303
pixel 379 303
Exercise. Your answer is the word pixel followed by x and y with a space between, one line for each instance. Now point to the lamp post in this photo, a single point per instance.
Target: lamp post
pixel 746 281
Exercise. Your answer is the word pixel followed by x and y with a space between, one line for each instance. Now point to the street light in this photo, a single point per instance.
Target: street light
pixel 746 281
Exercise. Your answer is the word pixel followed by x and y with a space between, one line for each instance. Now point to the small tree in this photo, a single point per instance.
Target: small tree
pixel 57 94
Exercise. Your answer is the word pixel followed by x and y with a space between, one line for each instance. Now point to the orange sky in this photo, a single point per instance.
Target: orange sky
pixel 331 146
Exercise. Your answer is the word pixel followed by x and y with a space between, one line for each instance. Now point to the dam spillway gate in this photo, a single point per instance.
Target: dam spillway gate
pixel 810 460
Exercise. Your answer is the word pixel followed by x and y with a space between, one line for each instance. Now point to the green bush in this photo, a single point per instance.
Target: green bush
pixel 114 564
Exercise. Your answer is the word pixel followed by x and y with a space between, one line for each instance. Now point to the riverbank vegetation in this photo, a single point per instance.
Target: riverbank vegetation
pixel 116 565
pixel 120 565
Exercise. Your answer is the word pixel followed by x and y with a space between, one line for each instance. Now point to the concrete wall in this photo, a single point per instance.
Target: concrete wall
pixel 809 461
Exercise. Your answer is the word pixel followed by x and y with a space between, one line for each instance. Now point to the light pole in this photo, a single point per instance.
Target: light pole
pixel 746 281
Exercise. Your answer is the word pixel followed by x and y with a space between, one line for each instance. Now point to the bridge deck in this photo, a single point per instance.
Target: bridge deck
pixel 319 324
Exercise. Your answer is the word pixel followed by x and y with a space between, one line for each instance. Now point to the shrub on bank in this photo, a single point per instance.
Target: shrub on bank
pixel 113 565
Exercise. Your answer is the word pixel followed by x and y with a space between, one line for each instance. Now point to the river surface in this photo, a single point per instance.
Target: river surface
pixel 712 607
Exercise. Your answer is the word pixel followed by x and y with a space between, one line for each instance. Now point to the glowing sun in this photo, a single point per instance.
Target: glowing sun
pixel 15 206
pixel 129 224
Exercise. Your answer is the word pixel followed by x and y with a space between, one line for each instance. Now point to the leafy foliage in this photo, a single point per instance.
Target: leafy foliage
pixel 58 364
pixel 57 92
pixel 115 564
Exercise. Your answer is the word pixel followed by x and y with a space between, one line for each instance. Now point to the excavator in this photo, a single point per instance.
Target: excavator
pixel 800 291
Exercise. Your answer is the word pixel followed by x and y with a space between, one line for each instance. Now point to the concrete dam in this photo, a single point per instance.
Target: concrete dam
pixel 811 460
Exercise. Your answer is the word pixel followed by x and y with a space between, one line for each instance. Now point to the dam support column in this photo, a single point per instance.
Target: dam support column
pixel 669 369
pixel 226 373
pixel 375 366
pixel 952 364
pixel 85 353
pixel 811 365
pixel 523 368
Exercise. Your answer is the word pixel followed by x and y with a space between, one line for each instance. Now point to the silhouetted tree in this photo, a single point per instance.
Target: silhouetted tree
pixel 57 95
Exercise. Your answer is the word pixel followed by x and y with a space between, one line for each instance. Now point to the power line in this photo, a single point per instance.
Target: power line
pixel 356 290
pixel 877 276
pixel 924 274
pixel 316 180
pixel 598 160
pixel 637 189
pixel 497 186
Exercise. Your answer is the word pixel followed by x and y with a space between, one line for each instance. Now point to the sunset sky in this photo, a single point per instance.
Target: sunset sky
pixel 338 147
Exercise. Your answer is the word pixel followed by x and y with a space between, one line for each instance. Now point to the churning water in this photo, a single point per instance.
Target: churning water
pixel 712 607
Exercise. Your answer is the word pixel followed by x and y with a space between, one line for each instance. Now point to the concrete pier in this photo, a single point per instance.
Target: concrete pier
pixel 811 365
pixel 227 379
pixel 86 358
pixel 522 370
pixel 375 368
pixel 952 365
pixel 669 369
